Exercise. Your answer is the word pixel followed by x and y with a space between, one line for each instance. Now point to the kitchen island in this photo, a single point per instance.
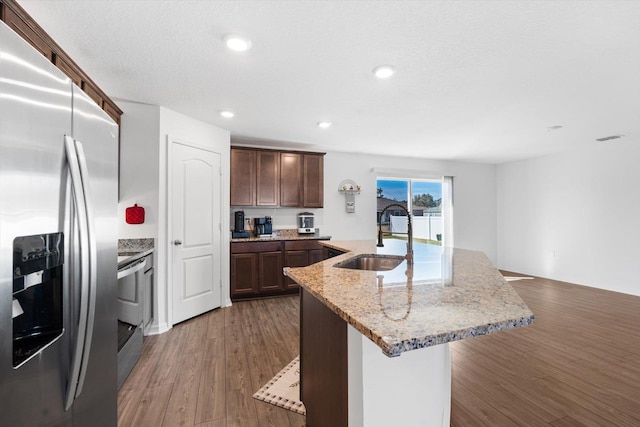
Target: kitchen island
pixel 354 324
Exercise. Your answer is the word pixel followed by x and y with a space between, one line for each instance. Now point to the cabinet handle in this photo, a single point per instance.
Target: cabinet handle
pixel 177 242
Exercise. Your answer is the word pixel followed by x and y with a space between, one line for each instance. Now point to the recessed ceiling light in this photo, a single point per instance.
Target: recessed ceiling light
pixel 226 114
pixel 237 43
pixel 324 125
pixel 609 138
pixel 552 128
pixel 384 71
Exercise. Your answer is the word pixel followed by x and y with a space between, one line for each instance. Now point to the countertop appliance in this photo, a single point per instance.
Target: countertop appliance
pixel 58 245
pixel 305 223
pixel 263 226
pixel 238 229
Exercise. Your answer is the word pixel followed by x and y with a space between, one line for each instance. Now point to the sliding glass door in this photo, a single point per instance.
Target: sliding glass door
pixel 429 201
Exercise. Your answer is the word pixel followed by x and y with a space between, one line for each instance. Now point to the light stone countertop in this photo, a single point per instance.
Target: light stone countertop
pixel 130 250
pixel 448 295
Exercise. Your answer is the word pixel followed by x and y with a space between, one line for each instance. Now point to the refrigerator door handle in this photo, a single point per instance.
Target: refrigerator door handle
pixel 93 265
pixel 81 218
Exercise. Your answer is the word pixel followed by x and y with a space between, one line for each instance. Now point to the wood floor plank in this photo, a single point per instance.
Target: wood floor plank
pixel 155 343
pixel 128 403
pixel 216 423
pixel 241 410
pixel 211 395
pixel 566 422
pixel 236 367
pixel 139 378
pixel 165 372
pixel 153 404
pixel 197 334
pixel 181 409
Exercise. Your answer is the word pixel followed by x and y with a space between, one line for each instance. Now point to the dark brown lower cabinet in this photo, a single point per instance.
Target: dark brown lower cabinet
pixel 270 271
pixel 256 267
pixel 300 253
pixel 244 274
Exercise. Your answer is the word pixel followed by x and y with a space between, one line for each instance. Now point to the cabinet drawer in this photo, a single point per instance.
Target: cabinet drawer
pixel 300 245
pixel 238 248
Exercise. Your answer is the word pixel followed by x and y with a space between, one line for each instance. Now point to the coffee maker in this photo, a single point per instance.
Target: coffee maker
pixel 263 226
pixel 238 229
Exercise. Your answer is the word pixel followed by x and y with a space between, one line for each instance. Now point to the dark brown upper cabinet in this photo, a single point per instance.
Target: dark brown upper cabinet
pixel 243 177
pixel 267 178
pixel 290 178
pixel 313 181
pixel 276 178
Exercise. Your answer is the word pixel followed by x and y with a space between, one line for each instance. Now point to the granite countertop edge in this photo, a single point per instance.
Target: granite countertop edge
pixel 394 349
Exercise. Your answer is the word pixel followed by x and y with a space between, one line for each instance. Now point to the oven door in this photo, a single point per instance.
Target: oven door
pixel 130 292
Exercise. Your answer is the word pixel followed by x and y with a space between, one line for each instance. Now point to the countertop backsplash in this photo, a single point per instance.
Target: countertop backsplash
pixel 282 218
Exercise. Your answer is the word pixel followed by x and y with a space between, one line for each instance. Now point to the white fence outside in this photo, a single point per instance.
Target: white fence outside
pixel 424 227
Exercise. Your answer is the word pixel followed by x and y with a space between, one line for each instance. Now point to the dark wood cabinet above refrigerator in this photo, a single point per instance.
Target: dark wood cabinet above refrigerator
pixel 19 21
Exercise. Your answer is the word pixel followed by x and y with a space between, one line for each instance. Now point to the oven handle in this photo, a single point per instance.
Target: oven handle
pixel 132 268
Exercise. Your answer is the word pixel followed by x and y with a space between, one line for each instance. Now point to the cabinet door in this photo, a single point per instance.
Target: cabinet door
pixel 270 271
pixel 243 177
pixel 316 255
pixel 268 178
pixel 313 181
pixel 290 179
pixel 298 258
pixel 243 274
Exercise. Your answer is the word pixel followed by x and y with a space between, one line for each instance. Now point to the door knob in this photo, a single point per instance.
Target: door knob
pixel 177 242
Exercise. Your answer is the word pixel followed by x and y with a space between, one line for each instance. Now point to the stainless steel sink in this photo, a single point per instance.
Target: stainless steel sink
pixel 371 262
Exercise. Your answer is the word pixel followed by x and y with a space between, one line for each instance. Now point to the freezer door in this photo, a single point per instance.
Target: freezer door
pixel 35 105
pixel 96 405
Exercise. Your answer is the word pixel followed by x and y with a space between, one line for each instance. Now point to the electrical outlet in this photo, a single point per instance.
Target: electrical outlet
pixel 247 226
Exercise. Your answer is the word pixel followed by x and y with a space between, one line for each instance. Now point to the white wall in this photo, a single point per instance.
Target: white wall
pixel 573 216
pixel 139 165
pixel 474 197
pixel 281 217
pixel 143 173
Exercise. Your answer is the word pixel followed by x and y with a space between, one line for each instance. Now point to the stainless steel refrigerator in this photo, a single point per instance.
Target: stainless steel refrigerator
pixel 58 243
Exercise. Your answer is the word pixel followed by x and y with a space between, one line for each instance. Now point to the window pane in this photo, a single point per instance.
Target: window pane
pixel 426 197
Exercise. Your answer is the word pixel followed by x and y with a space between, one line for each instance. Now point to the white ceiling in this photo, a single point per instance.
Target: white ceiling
pixel 476 80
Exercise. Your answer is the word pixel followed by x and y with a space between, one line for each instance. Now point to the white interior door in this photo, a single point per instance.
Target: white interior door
pixel 194 200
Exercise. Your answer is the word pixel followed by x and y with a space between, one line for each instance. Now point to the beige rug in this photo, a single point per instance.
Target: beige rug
pixel 283 390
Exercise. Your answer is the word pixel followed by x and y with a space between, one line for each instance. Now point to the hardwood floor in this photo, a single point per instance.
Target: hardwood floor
pixel 204 371
pixel 577 365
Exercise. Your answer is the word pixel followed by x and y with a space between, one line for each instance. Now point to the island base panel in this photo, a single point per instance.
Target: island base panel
pixel 412 390
pixel 323 363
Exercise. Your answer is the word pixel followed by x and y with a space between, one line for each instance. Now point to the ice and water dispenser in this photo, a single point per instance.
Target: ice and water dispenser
pixel 37 308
